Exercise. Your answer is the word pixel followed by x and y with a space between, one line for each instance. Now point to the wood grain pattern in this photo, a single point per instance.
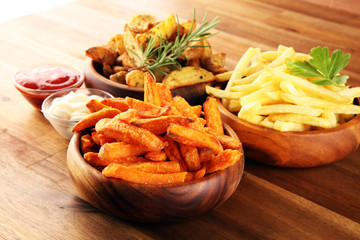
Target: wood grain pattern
pixel 152 203
pixel 38 198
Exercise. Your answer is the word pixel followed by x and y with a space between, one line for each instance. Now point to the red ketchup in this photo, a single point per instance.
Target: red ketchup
pixel 40 82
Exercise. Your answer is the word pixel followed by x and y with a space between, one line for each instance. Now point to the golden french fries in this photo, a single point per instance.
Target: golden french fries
pixel 261 90
pixel 157 141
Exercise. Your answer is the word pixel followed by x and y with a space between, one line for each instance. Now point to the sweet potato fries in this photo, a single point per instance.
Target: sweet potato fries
pixel 159 140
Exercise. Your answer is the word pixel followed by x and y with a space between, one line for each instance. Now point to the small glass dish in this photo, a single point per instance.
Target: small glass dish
pixel 36 96
pixel 64 126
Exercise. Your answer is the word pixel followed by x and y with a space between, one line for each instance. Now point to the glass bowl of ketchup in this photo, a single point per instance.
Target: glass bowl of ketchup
pixel 40 82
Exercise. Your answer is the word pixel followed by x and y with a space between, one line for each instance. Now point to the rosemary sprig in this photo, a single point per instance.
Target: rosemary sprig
pixel 167 53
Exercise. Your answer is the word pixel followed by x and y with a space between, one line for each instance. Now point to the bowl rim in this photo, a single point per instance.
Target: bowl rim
pixel 89 65
pixel 257 127
pixel 50 99
pixel 75 140
pixel 39 91
pixel 90 69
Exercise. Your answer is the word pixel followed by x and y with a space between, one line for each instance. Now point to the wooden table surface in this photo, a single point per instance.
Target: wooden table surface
pixel 37 197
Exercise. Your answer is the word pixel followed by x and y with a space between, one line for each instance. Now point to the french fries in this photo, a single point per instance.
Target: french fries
pixel 160 140
pixel 261 90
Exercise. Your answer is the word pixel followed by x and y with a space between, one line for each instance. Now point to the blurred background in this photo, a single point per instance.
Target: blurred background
pixel 17 8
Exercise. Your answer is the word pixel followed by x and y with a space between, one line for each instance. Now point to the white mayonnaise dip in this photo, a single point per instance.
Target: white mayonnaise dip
pixel 72 106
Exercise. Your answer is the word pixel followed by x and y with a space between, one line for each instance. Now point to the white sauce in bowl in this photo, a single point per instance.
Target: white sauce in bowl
pixel 72 106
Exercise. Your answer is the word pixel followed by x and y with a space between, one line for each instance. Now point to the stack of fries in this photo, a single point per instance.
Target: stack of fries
pixel 156 141
pixel 262 91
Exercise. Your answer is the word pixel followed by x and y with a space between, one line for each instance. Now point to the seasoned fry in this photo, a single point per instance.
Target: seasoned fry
pixel 144 109
pixel 199 174
pixel 157 167
pixel 173 152
pixel 156 156
pixel 91 119
pixel 100 139
pixel 186 110
pixel 86 143
pixel 193 137
pixel 126 132
pixel 128 116
pixel 212 116
pixel 228 142
pixel 159 125
pixel 196 175
pixel 118 103
pixel 136 176
pixel 93 159
pixel 164 94
pixel 151 93
pixel 94 105
pixel 223 160
pixel 191 157
pixel 119 150
pixel 197 110
pixel 206 155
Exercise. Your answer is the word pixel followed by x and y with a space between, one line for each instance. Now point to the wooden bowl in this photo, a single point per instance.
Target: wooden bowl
pixel 294 149
pixel 149 202
pixel 194 94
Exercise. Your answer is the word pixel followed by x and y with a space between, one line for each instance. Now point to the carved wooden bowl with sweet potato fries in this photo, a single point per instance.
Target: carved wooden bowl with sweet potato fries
pixel 287 112
pixel 176 54
pixel 155 160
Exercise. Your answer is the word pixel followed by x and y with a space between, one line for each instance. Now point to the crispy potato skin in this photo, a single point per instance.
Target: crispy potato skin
pixel 125 51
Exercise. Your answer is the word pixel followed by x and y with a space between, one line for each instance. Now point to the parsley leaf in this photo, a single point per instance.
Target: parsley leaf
pixel 322 66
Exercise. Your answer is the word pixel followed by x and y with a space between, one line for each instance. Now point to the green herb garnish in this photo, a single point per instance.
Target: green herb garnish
pixel 167 53
pixel 322 67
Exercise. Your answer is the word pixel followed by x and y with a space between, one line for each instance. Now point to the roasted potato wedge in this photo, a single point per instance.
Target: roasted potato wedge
pixel 102 54
pixel 141 23
pixel 165 29
pixel 135 78
pixel 216 63
pixel 188 76
pixel 119 77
